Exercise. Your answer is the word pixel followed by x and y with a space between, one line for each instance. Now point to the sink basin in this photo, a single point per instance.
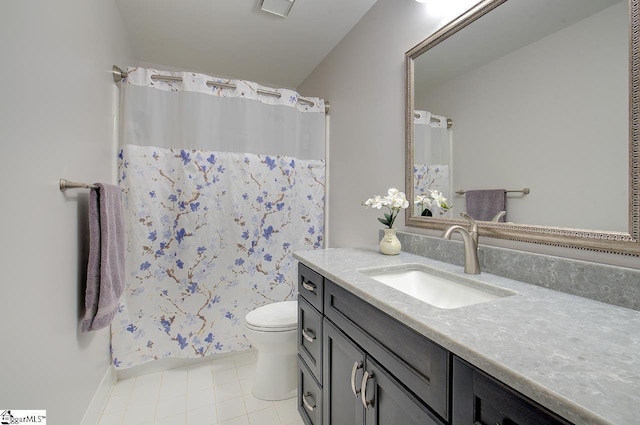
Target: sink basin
pixel 436 288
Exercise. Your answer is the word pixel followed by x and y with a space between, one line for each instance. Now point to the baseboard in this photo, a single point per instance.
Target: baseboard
pixel 171 363
pixel 100 398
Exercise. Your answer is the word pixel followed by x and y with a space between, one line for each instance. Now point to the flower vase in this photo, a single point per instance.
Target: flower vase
pixel 390 244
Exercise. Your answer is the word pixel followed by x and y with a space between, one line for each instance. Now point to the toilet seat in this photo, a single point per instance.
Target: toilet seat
pixel 276 317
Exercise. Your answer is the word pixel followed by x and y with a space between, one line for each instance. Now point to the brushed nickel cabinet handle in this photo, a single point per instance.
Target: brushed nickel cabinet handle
pixel 356 366
pixel 308 286
pixel 363 390
pixel 309 407
pixel 308 335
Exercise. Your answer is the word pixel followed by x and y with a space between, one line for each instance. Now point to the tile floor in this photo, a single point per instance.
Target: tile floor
pixel 217 392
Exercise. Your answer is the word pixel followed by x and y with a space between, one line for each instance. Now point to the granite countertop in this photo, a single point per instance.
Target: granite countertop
pixel 579 358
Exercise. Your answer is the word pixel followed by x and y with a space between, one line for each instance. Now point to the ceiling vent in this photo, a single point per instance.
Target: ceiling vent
pixel 277 7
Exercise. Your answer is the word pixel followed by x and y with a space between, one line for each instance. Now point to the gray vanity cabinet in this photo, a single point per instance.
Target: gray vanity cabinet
pixel 360 366
pixel 358 391
pixel 420 365
pixel 344 343
pixel 479 399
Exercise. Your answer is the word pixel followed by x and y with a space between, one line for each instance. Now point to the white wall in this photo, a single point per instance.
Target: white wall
pixel 363 79
pixel 552 117
pixel 56 114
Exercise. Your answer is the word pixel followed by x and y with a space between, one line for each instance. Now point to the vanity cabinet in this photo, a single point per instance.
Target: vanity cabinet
pixel 357 390
pixel 360 366
pixel 418 363
pixel 370 368
pixel 479 399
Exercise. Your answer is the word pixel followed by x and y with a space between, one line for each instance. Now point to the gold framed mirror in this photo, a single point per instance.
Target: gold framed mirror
pixel 566 151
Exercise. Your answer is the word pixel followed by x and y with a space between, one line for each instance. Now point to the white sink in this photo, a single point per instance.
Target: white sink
pixel 436 289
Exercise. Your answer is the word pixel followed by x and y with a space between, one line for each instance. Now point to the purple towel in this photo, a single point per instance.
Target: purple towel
pixel 105 269
pixel 483 205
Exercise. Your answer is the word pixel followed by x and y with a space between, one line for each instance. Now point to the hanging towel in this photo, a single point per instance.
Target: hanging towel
pixel 105 269
pixel 483 205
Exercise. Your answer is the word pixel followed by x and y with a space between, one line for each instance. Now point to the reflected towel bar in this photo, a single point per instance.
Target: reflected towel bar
pixel 67 184
pixel 524 191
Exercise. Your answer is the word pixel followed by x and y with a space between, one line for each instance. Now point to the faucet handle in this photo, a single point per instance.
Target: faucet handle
pixel 498 216
pixel 473 226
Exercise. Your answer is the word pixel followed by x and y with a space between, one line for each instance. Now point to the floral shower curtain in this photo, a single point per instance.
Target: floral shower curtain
pixel 220 186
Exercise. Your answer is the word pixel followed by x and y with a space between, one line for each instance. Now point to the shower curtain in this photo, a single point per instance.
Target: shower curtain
pixel 220 186
pixel 432 158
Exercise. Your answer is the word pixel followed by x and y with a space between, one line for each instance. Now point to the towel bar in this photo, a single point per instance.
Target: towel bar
pixel 524 191
pixel 67 184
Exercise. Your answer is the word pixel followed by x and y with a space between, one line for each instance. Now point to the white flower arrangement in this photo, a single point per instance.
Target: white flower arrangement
pixel 394 201
pixel 433 199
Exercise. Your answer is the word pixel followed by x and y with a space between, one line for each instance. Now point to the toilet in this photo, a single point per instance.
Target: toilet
pixel 272 330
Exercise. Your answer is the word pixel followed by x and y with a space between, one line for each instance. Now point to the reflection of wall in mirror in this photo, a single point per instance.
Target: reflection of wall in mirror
pixel 552 116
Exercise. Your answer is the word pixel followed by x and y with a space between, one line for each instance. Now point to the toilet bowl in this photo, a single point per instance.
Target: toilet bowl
pixel 272 330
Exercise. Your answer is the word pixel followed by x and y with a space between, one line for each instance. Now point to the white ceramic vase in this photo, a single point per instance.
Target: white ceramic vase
pixel 390 244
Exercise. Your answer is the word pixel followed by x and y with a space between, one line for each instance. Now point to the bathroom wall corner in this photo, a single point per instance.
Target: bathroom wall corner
pixel 100 398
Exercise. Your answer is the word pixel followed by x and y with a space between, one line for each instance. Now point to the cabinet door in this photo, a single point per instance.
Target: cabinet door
pixel 389 403
pixel 420 364
pixel 342 375
pixel 479 399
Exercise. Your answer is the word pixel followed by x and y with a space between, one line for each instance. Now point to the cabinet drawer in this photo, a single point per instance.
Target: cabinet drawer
pixel 421 365
pixel 310 286
pixel 309 396
pixel 310 337
pixel 481 399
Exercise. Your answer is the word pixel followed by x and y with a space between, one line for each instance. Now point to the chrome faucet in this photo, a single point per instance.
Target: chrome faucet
pixel 470 240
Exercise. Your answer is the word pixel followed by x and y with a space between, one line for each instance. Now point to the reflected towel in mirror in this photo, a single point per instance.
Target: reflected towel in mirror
pixel 483 205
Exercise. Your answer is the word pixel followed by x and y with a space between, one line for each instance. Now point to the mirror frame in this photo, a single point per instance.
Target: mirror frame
pixel 595 240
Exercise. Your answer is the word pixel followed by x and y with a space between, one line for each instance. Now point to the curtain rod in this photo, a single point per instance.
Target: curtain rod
pixel 119 75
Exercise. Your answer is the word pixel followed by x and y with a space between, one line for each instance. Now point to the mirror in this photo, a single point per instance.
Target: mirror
pixel 532 98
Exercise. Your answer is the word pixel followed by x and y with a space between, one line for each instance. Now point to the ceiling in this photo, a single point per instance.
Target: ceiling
pixel 235 39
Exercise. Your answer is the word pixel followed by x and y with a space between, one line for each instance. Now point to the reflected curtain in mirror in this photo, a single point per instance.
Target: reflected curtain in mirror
pixel 432 160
